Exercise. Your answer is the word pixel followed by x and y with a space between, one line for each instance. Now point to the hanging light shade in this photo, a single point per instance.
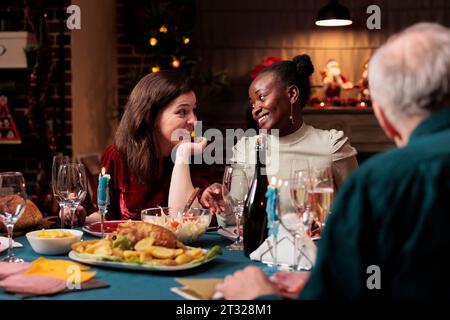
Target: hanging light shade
pixel 334 15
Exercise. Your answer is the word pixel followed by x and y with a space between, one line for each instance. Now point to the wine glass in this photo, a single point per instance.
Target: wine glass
pixel 12 205
pixel 292 219
pixel 234 190
pixel 320 197
pixel 300 186
pixel 71 187
pixel 57 162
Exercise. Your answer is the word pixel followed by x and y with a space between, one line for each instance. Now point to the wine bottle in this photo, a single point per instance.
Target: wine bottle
pixel 255 226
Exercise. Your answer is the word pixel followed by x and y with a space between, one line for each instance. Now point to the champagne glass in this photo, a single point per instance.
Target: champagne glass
pixel 71 186
pixel 234 190
pixel 293 220
pixel 12 205
pixel 57 162
pixel 300 186
pixel 320 197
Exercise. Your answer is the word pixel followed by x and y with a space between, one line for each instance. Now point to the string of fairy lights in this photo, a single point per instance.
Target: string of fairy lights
pixel 155 40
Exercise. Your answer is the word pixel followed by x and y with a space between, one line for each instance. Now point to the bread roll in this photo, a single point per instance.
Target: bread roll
pixel 30 218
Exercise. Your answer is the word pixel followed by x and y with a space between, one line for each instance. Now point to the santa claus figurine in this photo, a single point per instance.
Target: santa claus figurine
pixel 333 80
pixel 364 84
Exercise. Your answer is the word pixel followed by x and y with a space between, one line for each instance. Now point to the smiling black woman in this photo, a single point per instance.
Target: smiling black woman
pixel 277 97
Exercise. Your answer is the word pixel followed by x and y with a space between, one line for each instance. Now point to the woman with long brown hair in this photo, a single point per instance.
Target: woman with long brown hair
pixel 143 174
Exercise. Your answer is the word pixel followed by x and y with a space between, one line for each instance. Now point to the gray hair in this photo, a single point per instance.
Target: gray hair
pixel 410 74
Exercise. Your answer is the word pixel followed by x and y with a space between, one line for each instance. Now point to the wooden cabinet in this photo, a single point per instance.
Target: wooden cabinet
pixel 360 125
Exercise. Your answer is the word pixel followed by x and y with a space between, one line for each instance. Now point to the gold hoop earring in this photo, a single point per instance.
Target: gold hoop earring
pixel 291 117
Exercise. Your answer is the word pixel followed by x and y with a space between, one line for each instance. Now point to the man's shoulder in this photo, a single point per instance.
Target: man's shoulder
pixel 411 159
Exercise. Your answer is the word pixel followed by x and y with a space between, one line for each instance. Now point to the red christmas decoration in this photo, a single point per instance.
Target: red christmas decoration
pixel 268 61
pixel 8 129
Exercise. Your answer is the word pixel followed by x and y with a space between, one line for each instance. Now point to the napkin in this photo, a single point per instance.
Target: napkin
pixel 4 243
pixel 228 232
pixel 197 289
pixel 285 251
pixel 61 269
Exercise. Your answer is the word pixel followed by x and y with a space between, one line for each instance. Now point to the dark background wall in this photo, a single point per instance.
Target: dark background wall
pixel 27 157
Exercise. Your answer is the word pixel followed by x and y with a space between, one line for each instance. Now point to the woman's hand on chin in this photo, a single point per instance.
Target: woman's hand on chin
pixel 187 149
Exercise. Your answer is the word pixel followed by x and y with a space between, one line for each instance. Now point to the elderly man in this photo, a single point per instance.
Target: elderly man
pixel 388 236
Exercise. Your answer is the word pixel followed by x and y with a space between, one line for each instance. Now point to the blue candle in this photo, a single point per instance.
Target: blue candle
pixel 271 208
pixel 103 189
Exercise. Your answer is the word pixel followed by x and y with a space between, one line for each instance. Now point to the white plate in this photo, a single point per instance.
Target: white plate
pixel 4 243
pixel 133 266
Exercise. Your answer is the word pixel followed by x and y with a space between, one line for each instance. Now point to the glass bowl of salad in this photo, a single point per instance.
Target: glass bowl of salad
pixel 187 227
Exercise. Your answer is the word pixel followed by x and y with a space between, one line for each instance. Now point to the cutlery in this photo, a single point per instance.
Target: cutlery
pixel 191 199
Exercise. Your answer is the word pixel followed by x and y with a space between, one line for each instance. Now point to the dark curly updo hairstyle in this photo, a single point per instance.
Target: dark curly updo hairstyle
pixel 295 72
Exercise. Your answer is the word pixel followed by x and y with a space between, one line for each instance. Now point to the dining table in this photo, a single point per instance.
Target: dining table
pixel 144 285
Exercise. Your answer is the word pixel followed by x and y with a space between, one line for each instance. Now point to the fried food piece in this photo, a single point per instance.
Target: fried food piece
pixel 194 253
pixel 165 262
pixel 136 231
pixel 117 252
pixel 144 244
pixel 131 255
pixel 163 253
pixel 145 256
pixel 184 258
pixel 102 247
pixel 178 252
pixel 81 246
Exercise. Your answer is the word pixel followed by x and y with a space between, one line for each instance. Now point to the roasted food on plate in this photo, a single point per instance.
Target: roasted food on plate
pixel 143 243
pixel 136 231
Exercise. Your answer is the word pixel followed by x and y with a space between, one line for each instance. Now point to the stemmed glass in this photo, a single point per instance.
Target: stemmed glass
pixel 57 162
pixel 292 220
pixel 71 186
pixel 320 197
pixel 234 190
pixel 12 205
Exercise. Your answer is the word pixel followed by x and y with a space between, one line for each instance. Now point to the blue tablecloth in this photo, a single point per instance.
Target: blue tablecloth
pixel 137 285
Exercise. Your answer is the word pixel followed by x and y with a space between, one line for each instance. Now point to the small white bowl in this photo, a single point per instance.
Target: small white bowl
pixel 53 246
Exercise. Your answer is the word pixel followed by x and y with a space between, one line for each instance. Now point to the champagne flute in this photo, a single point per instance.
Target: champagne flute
pixel 71 186
pixel 234 190
pixel 57 162
pixel 321 197
pixel 293 221
pixel 12 205
pixel 300 187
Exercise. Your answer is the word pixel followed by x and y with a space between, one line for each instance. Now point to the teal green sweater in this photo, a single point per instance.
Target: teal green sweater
pixel 394 212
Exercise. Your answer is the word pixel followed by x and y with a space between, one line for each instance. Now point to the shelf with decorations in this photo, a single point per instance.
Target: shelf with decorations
pixel 8 130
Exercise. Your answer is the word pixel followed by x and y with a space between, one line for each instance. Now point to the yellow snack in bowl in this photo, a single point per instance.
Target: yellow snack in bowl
pixel 53 234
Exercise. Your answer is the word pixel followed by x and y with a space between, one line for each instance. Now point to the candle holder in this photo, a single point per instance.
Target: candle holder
pixel 103 198
pixel 103 210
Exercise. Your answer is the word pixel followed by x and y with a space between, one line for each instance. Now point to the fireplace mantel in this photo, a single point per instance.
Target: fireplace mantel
pixel 360 125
